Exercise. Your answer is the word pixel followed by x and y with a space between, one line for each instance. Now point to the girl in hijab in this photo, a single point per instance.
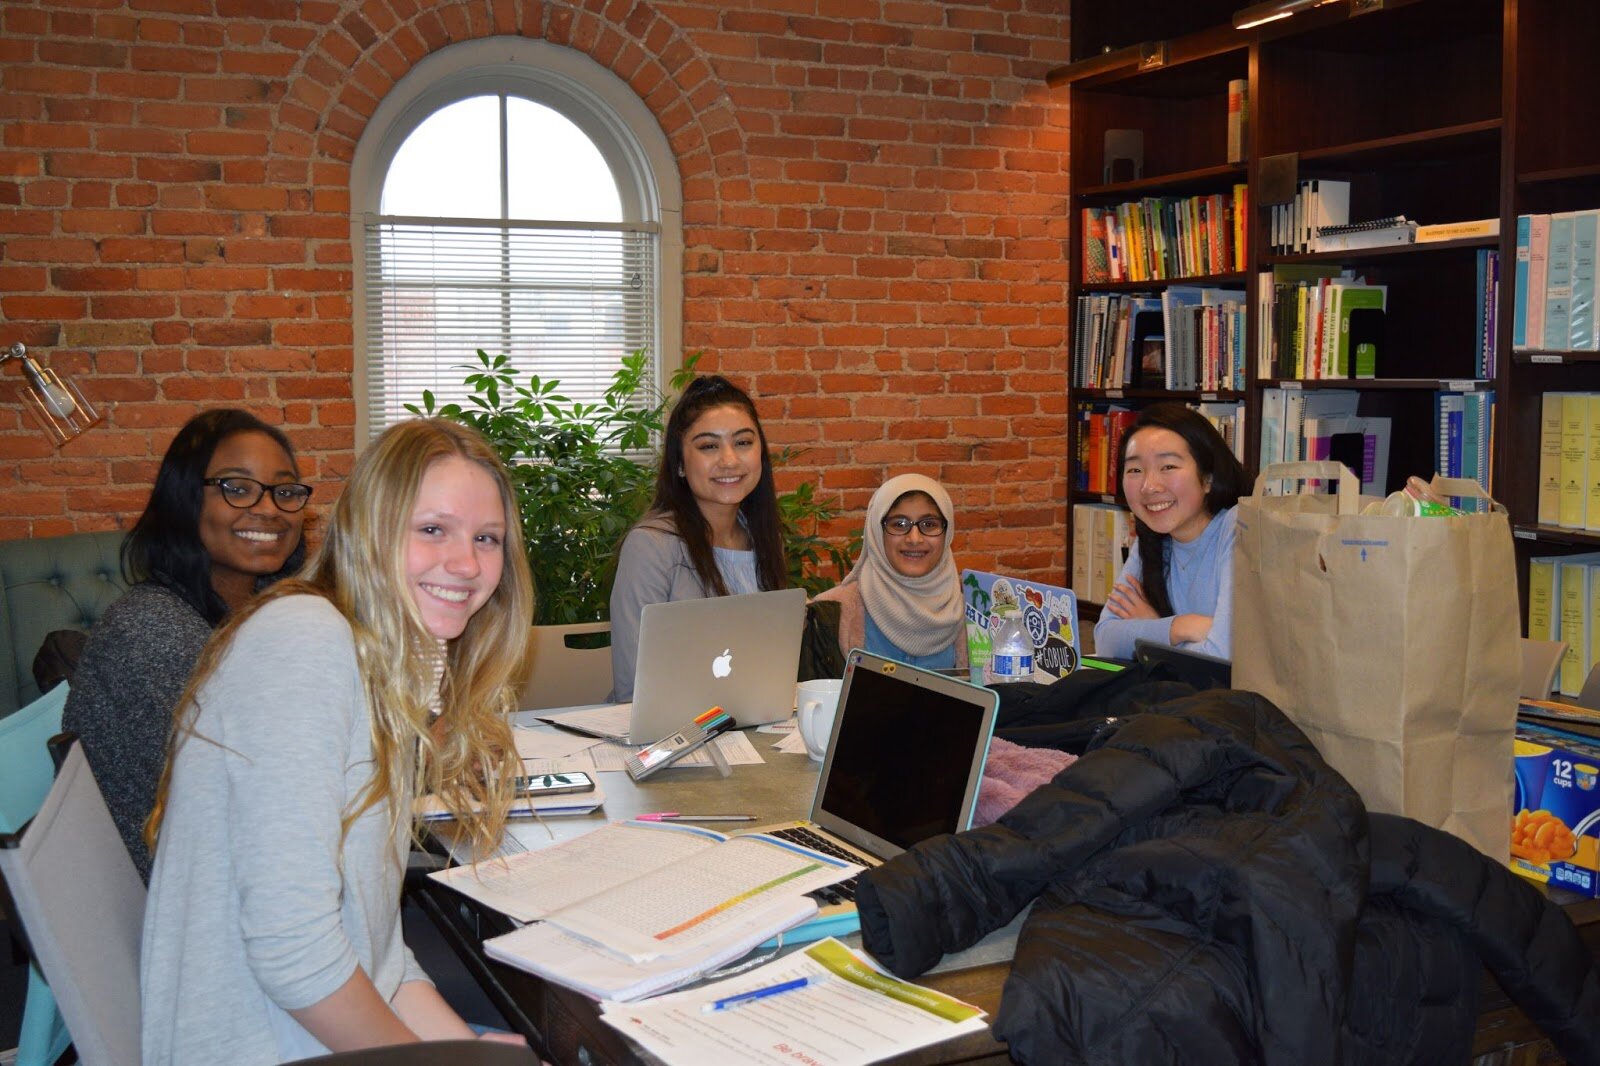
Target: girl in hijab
pixel 902 600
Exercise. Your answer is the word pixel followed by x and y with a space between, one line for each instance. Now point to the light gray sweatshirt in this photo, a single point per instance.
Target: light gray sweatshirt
pixel 257 907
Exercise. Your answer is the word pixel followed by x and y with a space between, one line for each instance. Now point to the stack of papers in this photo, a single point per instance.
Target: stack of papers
pixel 826 1005
pixel 657 904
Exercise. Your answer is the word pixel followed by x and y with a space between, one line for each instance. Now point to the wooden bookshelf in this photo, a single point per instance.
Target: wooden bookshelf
pixel 1438 110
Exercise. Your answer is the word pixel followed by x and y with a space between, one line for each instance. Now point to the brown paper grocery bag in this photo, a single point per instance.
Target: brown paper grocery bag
pixel 1392 642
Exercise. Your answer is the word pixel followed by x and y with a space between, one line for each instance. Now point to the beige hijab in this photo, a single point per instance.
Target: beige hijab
pixel 922 615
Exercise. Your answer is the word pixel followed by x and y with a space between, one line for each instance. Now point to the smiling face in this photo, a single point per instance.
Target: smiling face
pixel 915 553
pixel 455 544
pixel 246 543
pixel 1163 485
pixel 721 458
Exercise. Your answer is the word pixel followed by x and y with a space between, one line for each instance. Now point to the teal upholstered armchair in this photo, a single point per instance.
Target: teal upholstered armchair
pixel 50 583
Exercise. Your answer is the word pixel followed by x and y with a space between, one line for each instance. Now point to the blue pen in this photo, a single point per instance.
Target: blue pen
pixel 761 993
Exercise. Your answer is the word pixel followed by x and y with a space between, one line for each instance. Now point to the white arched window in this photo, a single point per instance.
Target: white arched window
pixel 514 196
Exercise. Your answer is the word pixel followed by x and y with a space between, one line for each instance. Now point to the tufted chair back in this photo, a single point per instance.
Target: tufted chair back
pixel 50 583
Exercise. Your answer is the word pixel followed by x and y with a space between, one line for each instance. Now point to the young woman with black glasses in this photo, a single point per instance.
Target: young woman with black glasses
pixel 224 519
pixel 902 599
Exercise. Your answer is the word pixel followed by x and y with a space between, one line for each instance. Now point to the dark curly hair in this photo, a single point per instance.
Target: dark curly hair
pixel 1214 459
pixel 759 509
pixel 164 544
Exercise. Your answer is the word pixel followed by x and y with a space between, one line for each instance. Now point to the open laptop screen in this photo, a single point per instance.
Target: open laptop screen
pixel 907 757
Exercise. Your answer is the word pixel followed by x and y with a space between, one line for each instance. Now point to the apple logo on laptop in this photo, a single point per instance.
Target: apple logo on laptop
pixel 722 665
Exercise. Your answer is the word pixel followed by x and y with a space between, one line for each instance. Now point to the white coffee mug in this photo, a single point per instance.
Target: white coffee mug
pixel 816 702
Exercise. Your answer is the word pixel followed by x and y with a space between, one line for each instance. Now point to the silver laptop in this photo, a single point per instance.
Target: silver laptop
pixel 904 763
pixel 740 653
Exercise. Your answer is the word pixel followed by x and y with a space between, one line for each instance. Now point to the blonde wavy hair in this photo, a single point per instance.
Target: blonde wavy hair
pixel 467 756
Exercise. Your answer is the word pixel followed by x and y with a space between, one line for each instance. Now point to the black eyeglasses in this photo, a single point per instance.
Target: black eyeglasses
pixel 927 525
pixel 245 492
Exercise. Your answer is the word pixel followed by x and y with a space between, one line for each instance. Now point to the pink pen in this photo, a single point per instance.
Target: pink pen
pixel 674 816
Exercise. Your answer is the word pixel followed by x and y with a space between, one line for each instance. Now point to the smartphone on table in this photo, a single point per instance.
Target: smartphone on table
pixel 554 784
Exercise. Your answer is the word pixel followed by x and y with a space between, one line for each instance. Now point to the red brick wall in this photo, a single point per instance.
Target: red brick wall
pixel 874 221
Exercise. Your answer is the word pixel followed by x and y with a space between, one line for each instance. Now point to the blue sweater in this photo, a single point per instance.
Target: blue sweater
pixel 1199 581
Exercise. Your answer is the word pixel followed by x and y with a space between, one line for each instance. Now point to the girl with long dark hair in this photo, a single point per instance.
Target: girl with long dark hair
pixel 713 528
pixel 224 519
pixel 1181 481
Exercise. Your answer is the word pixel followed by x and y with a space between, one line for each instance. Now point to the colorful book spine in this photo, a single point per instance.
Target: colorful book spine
pixel 1538 275
pixel 1519 298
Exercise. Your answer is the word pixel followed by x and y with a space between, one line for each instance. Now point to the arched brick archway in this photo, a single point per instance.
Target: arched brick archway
pixel 351 65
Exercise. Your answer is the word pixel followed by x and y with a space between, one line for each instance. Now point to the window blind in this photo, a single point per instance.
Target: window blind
pixel 563 300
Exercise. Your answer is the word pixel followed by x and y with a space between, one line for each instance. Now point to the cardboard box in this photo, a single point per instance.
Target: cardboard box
pixel 1555 823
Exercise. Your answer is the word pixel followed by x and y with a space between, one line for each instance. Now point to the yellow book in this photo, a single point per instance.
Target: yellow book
pixel 1082 549
pixel 1544 622
pixel 1591 508
pixel 1550 459
pixel 1574 593
pixel 1592 655
pixel 1574 458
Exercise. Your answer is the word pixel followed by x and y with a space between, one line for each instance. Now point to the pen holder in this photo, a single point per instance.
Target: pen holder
pixel 674 747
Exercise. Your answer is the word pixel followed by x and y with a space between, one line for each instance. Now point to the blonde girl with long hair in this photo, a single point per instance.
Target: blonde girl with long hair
pixel 315 714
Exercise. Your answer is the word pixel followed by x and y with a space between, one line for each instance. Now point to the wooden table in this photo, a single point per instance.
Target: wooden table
pixel 566 1024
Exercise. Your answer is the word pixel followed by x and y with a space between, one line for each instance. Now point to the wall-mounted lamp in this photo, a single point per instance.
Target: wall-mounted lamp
pixel 1272 10
pixel 57 405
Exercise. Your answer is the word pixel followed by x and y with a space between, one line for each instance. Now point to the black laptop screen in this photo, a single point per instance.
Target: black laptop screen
pixel 902 758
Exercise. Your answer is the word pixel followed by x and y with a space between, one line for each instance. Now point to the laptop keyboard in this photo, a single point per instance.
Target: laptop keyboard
pixel 844 891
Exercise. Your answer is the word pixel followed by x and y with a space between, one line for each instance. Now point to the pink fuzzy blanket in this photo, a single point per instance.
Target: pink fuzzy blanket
pixel 1010 773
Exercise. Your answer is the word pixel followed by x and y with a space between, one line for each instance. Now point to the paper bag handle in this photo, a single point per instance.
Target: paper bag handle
pixel 1465 487
pixel 1349 485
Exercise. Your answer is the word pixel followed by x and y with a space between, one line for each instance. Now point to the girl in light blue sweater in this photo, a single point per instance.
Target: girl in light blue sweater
pixel 1181 481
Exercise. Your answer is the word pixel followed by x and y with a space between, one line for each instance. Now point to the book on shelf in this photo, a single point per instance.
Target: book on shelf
pixel 1203 331
pixel 1463 426
pixel 1576 588
pixel 1574 459
pixel 1387 222
pixel 1487 312
pixel 1550 411
pixel 1519 284
pixel 1356 240
pixel 1101 535
pixel 1455 231
pixel 1284 414
pixel 1581 303
pixel 1558 282
pixel 1238 122
pixel 1563 591
pixel 1538 278
pixel 1544 618
pixel 1362 444
pixel 1556 306
pixel 1317 203
pixel 1160 237
pixel 1096 262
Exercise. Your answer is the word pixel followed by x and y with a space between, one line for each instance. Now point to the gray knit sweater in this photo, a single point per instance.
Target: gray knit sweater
pixel 135 666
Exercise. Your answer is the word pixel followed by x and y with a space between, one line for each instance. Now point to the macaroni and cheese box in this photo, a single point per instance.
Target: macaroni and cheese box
pixel 1555 820
pixel 1049 613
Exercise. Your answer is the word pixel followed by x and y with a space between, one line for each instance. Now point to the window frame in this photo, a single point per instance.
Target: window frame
pixel 602 105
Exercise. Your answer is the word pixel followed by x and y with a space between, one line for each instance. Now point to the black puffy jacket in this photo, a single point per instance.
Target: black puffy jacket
pixel 1206 889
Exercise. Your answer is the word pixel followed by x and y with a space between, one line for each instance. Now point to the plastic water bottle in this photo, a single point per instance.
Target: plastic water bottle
pixel 1013 650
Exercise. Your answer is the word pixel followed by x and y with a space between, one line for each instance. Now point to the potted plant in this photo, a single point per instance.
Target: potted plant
pixel 584 472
